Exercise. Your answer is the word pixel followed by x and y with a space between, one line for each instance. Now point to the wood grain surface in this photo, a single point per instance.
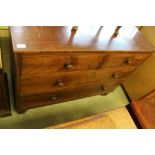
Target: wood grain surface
pixel 40 64
pixel 65 94
pixel 60 61
pixel 61 38
pixel 48 83
pixel 145 110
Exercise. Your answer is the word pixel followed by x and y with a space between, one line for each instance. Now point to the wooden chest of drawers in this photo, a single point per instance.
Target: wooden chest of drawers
pixel 54 64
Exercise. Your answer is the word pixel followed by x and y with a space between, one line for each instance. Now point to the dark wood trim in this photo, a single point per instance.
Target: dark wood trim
pixel 6 111
pixel 134 117
pixel 130 109
pixel 144 109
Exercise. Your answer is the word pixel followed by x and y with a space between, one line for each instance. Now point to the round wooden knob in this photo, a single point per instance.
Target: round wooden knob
pixel 115 76
pixel 68 66
pixel 60 84
pixel 54 98
pixel 128 60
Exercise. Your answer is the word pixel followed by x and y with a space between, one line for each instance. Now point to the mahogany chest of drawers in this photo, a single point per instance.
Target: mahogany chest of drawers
pixel 54 64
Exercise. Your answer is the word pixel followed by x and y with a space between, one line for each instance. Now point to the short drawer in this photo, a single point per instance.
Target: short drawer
pixel 41 64
pixel 35 100
pixel 58 81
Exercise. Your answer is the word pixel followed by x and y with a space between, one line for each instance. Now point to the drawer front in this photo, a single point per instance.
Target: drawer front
pixel 40 64
pixel 59 81
pixel 58 96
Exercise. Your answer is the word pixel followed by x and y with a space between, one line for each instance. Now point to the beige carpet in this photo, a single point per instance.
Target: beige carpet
pixel 115 119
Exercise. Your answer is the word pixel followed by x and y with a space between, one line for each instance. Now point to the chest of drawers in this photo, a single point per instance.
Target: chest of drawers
pixel 54 64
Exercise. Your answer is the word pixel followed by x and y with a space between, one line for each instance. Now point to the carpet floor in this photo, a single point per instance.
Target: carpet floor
pixel 114 119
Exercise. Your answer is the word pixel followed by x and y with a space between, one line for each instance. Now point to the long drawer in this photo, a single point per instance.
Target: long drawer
pixel 40 64
pixel 41 99
pixel 40 84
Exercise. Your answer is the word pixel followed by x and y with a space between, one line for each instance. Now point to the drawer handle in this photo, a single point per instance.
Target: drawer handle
pixel 115 75
pixel 60 84
pixel 129 61
pixel 54 98
pixel 68 66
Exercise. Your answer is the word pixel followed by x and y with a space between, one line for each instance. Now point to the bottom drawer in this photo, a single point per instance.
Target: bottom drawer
pixel 36 100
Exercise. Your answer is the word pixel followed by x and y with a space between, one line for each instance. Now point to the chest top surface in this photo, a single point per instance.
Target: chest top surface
pixel 61 38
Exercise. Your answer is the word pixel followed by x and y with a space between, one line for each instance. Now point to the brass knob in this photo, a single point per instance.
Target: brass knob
pixel 54 98
pixel 128 60
pixel 60 84
pixel 68 66
pixel 115 76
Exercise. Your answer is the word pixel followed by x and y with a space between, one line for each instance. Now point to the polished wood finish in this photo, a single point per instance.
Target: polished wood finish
pixel 144 109
pixel 86 39
pixel 50 63
pixel 55 64
pixel 61 95
pixel 48 83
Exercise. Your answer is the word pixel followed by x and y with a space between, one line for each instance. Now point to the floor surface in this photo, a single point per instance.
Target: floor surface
pixel 114 119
